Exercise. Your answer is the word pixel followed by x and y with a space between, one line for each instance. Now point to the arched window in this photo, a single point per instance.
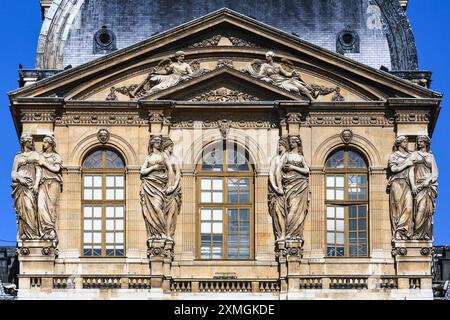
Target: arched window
pixel 103 203
pixel 225 203
pixel 346 204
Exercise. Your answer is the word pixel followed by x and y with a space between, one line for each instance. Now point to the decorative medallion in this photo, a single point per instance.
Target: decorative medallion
pixel 346 136
pixel 103 136
pixel 224 127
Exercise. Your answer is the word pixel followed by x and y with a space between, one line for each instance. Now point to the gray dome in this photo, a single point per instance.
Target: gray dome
pixel 380 27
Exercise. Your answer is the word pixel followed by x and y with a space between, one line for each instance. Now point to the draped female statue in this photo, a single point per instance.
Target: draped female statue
pixel 156 175
pixel 295 181
pixel 173 199
pixel 400 193
pixel 50 186
pixel 25 176
pixel 423 179
pixel 276 197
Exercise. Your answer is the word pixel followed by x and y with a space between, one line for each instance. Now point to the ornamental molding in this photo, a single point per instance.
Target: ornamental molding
pixel 225 38
pixel 347 118
pixel 37 115
pixel 224 95
pixel 100 118
pixel 412 117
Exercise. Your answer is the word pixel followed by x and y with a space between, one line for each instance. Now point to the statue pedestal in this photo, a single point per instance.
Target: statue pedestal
pixel 413 263
pixel 37 263
pixel 160 253
pixel 289 254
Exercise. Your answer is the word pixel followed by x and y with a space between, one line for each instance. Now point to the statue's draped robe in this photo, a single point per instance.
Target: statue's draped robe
pixel 48 196
pixel 24 200
pixel 173 206
pixel 424 203
pixel 276 210
pixel 400 199
pixel 296 190
pixel 153 198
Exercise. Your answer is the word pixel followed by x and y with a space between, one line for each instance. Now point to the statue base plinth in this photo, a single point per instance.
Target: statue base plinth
pixel 160 253
pixel 413 263
pixel 289 254
pixel 37 260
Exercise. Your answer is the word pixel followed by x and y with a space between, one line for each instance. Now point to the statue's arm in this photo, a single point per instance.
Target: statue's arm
pixel 396 168
pixel 272 173
pixel 14 175
pixel 38 178
pixel 55 167
pixel 177 173
pixel 434 169
pixel 412 180
pixel 302 170
pixel 170 174
pixel 145 170
pixel 286 73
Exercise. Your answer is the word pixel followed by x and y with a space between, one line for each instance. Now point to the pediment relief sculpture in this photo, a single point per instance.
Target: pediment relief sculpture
pixel 223 39
pixel 412 189
pixel 287 77
pixel 224 95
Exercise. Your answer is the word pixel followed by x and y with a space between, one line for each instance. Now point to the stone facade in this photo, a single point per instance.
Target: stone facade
pixel 112 103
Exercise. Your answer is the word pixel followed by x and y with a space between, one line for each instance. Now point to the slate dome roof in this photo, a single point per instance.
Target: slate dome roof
pixel 380 26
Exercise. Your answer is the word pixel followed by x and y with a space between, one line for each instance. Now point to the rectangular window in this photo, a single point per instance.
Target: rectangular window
pixel 347 231
pixel 211 226
pixel 238 233
pixel 115 187
pixel 335 187
pixel 115 230
pixel 238 190
pixel 92 230
pixel 92 187
pixel 211 190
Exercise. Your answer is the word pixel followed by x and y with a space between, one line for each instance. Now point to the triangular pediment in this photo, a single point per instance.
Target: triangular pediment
pixel 223 36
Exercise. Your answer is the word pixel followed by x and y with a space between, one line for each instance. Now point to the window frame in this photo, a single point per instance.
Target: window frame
pixel 346 171
pixel 225 175
pixel 103 203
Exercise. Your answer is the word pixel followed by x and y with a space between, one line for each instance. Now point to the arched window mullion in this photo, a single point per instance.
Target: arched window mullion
pixel 103 203
pixel 346 201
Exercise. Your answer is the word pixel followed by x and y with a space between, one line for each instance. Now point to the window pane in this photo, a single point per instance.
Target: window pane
pixel 119 225
pixel 97 224
pixel 87 237
pixel 206 184
pixel 113 160
pixel 97 237
pixel 330 194
pixel 94 160
pixel 336 160
pixel 217 184
pixel 119 212
pixel 362 211
pixel 245 214
pixel 119 194
pixel 340 212
pixel 340 238
pixel 97 212
pixel 110 212
pixel 206 227
pixel 330 225
pixel 119 181
pixel 355 160
pixel 88 181
pixel 87 212
pixel 110 224
pixel 232 197
pixel 352 224
pixel 330 181
pixel 98 181
pixel 110 237
pixel 244 196
pixel 232 214
pixel 339 194
pixel 110 181
pixel 217 227
pixel 206 214
pixel 330 238
pixel 362 180
pixel 119 237
pixel 87 194
pixel 362 224
pixel 352 212
pixel 87 225
pixel 330 212
pixel 97 194
pixel 330 251
pixel 217 197
pixel 340 181
pixel 340 225
pixel 362 250
pixel 206 196
pixel 213 160
pixel 217 214
pixel 340 251
pixel 109 194
pixel 352 251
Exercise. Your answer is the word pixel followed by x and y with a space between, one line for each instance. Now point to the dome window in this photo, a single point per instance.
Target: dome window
pixel 347 42
pixel 104 41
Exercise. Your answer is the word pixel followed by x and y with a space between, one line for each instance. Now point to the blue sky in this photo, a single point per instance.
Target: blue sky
pixel 20 23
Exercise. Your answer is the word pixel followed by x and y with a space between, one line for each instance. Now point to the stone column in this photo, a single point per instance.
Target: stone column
pixel 135 225
pixel 317 212
pixel 187 217
pixel 264 237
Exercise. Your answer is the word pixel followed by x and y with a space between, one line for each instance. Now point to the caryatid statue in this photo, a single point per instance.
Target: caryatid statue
pixel 276 199
pixel 295 182
pixel 157 178
pixel 50 187
pixel 26 175
pixel 173 199
pixel 400 193
pixel 423 178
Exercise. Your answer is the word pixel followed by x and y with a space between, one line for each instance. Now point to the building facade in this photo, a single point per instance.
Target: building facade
pixel 212 154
